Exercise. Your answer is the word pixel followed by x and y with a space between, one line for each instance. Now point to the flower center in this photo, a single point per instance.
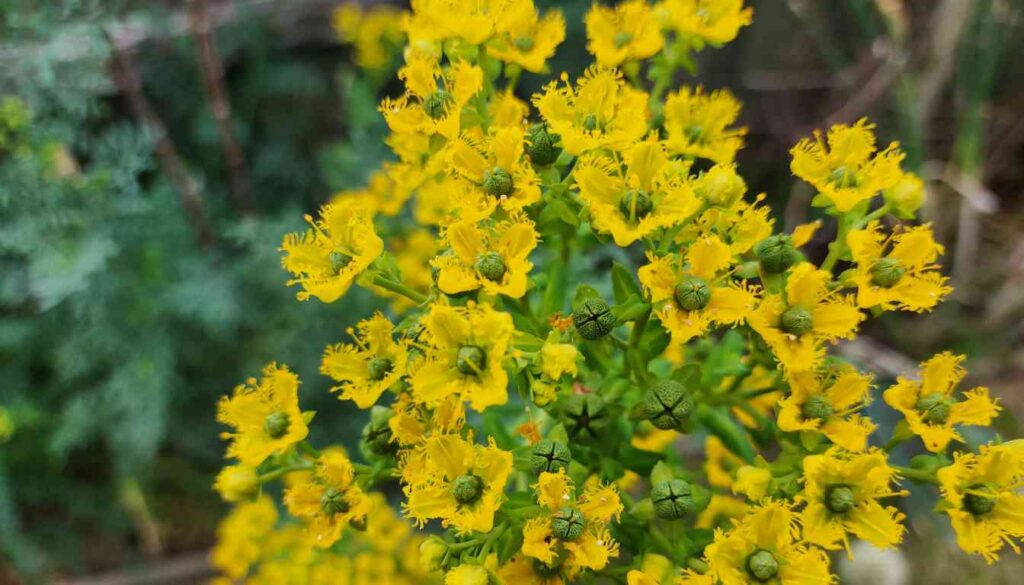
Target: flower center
pixel 635 205
pixel 762 565
pixel 934 408
pixel 491 266
pixel 797 320
pixel 540 145
pixel 471 360
pixel 816 407
pixel 775 253
pixel 979 503
pixel 276 424
pixel 567 524
pixel 497 182
pixel 839 499
pixel 843 177
pixel 467 488
pixel 339 261
pixel 887 272
pixel 693 293
pixel 591 123
pixel 379 368
pixel 333 502
pixel 524 43
pixel 694 132
pixel 436 105
pixel 622 39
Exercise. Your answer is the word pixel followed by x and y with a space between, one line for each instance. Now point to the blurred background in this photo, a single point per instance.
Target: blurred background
pixel 153 153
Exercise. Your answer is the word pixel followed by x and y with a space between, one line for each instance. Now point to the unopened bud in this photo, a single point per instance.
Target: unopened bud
pixel 668 405
pixel 776 253
pixel 593 319
pixel 549 456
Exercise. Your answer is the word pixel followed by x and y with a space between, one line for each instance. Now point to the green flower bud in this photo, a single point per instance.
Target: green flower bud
pixel 976 503
pixel 593 319
pixel 887 272
pixel 497 182
pixel 358 524
pixel 673 499
pixel 339 261
pixel 776 253
pixel 549 456
pixel 816 407
pixel 276 424
pixel 471 360
pixel 491 266
pixel 524 43
pixel 839 499
pixel 693 293
pixel 635 205
pixel 437 104
pixel 591 123
pixel 377 435
pixel 467 489
pixel 540 145
pixel 667 405
pixel 694 132
pixel 621 39
pixel 721 186
pixel 906 197
pixel 333 502
pixel 567 524
pixel 585 416
pixel 796 320
pixel 843 177
pixel 762 566
pixel 432 551
pixel 934 408
pixel 379 367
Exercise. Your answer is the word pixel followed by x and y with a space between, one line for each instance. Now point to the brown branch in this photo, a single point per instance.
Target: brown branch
pixel 213 83
pixel 126 76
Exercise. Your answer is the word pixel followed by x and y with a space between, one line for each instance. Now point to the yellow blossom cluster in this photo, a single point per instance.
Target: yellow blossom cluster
pixel 577 281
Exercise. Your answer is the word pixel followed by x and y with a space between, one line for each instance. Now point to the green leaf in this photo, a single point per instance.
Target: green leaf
pixel 720 423
pixel 584 292
pixel 661 472
pixel 624 284
pixel 553 300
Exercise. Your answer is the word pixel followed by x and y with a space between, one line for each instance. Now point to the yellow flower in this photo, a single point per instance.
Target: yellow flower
pixel 490 256
pixel 522 570
pixel 330 500
pixel 506 110
pixel 763 548
pixel 465 358
pixel 329 256
pixel 982 497
pixel 796 325
pixel 930 408
pixel 236 483
pixel 693 292
pixel 721 511
pixel 387 191
pixel 449 199
pixel 467 575
pixel 601 112
pixel 525 39
pixel 647 437
pixel 654 570
pixel 430 107
pixel 370 366
pixel 738 223
pixel 465 486
pixel 712 21
pixel 577 526
pixel 699 124
pixel 265 416
pixel 752 482
pixel 557 359
pixel 470 21
pixel 905 277
pixel 848 170
pixel 842 493
pixel 627 32
pixel 652 194
pixel 376 33
pixel 828 404
pixel 719 462
pixel 385 530
pixel 496 167
pixel 241 537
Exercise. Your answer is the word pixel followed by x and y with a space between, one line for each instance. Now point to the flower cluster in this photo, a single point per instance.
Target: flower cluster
pixel 577 282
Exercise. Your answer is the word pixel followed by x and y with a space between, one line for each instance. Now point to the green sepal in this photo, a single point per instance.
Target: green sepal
pixel 584 292
pixel 661 472
pixel 559 434
pixel 307 416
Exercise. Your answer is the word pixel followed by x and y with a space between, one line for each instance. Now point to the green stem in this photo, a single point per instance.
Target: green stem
pixel 876 214
pixel 399 288
pixel 493 536
pixel 918 475
pixel 663 542
pixel 281 471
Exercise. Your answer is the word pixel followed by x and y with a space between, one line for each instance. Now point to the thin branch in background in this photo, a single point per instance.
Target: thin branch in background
pixel 213 83
pixel 129 82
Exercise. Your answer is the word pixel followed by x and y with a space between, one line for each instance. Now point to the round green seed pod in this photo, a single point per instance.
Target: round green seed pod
pixel 673 499
pixel 816 407
pixel 491 266
pixel 467 489
pixel 796 320
pixel 498 182
pixel 568 524
pixel 333 502
pixel 776 253
pixel 541 145
pixel 276 424
pixel 471 360
pixel 887 272
pixel 976 502
pixel 667 404
pixel 693 293
pixel 437 104
pixel 934 408
pixel 549 456
pixel 762 566
pixel 635 205
pixel 839 499
pixel 593 319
